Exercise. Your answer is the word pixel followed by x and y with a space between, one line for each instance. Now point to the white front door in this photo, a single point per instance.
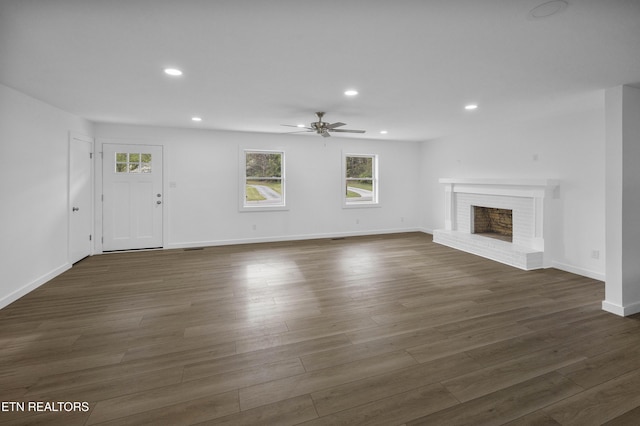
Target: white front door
pixel 80 197
pixel 133 198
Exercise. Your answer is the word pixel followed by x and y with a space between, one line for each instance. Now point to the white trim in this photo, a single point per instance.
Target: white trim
pixel 578 271
pixel 28 288
pixel 242 174
pixel 213 243
pixel 533 188
pixel 362 205
pixel 375 180
pixel 82 137
pixel 623 311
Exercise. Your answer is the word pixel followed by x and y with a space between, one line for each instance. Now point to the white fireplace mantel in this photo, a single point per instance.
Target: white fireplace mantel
pixel 526 197
pixel 535 188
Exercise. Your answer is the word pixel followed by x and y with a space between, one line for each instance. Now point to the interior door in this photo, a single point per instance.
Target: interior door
pixel 132 197
pixel 80 197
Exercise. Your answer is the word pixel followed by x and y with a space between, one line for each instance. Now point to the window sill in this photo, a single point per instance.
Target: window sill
pixel 361 206
pixel 244 209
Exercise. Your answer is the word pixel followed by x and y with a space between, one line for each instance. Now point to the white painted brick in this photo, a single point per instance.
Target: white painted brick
pixel 520 253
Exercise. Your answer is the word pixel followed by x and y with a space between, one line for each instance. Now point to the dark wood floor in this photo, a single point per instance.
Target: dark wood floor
pixel 383 330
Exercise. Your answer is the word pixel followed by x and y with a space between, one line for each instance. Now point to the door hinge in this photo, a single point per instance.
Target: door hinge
pixel 102 197
pixel 89 237
pixel 102 240
pixel 91 155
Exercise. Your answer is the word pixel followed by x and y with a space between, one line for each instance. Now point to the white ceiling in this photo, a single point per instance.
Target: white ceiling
pixel 251 65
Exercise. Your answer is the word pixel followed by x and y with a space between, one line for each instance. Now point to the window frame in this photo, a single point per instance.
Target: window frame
pixel 375 178
pixel 242 190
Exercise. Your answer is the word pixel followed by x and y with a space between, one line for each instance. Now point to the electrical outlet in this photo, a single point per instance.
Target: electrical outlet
pixel 402 219
pixel 357 221
pixel 595 254
pixel 253 227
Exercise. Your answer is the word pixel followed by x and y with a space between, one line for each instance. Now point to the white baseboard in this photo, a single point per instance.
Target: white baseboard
pixel 210 243
pixel 17 294
pixel 623 311
pixel 578 271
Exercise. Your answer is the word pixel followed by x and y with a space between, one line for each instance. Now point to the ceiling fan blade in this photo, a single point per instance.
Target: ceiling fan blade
pixel 334 125
pixel 300 131
pixel 347 130
pixel 292 125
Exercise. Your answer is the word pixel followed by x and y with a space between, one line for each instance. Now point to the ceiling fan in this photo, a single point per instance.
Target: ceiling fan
pixel 323 128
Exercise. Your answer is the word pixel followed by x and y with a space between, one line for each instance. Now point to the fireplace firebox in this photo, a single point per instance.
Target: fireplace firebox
pixel 492 222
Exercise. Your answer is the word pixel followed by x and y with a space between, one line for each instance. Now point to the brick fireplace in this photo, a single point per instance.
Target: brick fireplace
pixel 510 215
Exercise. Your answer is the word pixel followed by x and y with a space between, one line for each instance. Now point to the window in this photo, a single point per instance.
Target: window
pixel 262 180
pixel 131 162
pixel 360 180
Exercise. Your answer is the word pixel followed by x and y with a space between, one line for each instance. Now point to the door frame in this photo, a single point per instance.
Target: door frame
pixel 84 138
pixel 99 189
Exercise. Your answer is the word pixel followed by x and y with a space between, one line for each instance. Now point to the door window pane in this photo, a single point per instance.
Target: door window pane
pixel 133 162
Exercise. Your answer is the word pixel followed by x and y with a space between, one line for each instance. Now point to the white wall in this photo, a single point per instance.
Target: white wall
pixel 201 178
pixel 34 156
pixel 568 144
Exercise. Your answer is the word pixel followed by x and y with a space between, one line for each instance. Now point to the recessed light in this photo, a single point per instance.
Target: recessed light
pixel 173 72
pixel 351 92
pixel 196 118
pixel 383 132
pixel 471 106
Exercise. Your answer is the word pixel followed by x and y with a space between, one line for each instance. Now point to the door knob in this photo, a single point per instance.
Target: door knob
pixel 75 209
pixel 158 202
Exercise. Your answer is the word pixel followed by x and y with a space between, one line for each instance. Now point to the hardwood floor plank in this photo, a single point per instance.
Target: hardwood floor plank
pixel 466 342
pixel 46 419
pixel 246 377
pixel 599 404
pixel 537 418
pixel 293 411
pixel 630 418
pixel 602 368
pixel 505 405
pixel 153 399
pixel 488 380
pixel 185 413
pixel 107 388
pixel 396 409
pixel 359 351
pixel 266 393
pixel 378 387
